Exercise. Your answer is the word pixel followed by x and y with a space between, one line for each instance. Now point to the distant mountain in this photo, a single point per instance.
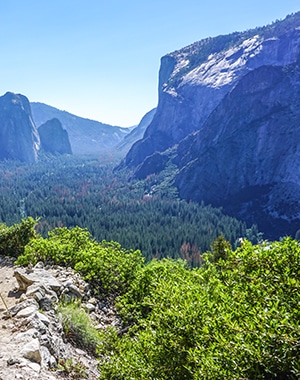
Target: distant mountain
pixel 136 133
pixel 228 117
pixel 54 139
pixel 87 137
pixel 19 139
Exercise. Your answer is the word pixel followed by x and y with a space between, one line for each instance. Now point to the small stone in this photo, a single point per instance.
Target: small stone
pixel 39 265
pixel 30 310
pixel 93 301
pixel 27 335
pixel 42 317
pixel 12 361
pixel 34 366
pixel 89 307
pixel 20 306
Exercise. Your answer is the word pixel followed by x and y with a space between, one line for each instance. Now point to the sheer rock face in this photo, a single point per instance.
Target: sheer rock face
pixel 249 147
pixel 54 139
pixel 195 79
pixel 19 139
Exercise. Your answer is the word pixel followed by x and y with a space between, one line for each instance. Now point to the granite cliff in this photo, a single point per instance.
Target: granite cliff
pixel 54 139
pixel 228 118
pixel 246 158
pixel 19 139
pixel 194 80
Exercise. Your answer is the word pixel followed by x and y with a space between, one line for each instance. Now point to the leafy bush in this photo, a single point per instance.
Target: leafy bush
pixel 109 267
pixel 63 247
pixel 237 318
pixel 13 239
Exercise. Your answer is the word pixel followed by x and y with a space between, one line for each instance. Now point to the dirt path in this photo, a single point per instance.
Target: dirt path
pixel 7 284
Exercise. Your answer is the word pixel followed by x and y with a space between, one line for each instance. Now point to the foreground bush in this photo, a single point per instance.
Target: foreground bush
pixel 237 318
pixel 109 267
pixel 13 239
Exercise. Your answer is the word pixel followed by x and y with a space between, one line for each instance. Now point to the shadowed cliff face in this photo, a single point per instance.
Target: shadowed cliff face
pixel 19 139
pixel 252 137
pixel 246 158
pixel 195 79
pixel 54 139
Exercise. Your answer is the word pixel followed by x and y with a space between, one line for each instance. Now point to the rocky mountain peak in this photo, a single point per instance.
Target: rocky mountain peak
pixel 54 139
pixel 195 79
pixel 19 138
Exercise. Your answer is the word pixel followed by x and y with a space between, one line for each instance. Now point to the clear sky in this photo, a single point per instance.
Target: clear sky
pixel 100 59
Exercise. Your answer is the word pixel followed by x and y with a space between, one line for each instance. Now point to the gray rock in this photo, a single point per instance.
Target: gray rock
pixel 28 311
pixel 48 361
pixel 12 361
pixel 27 336
pixel 54 139
pixel 32 351
pixel 36 291
pixel 20 306
pixel 72 292
pixel 43 318
pixel 38 276
pixel 89 307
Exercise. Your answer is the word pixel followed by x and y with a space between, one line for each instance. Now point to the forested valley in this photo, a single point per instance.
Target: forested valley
pixel 145 215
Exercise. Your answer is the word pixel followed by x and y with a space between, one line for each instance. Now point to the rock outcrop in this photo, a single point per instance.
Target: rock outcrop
pixel 19 139
pixel 54 139
pixel 32 341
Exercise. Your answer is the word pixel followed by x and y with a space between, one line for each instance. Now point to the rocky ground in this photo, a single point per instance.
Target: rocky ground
pixel 32 341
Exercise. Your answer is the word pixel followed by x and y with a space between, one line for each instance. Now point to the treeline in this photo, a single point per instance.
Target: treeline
pixel 72 192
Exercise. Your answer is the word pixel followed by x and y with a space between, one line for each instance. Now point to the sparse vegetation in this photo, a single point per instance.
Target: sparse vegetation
pixel 78 328
pixel 74 369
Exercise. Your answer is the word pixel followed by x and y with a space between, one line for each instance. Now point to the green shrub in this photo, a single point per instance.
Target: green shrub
pixel 233 319
pixel 109 267
pixel 13 239
pixel 72 369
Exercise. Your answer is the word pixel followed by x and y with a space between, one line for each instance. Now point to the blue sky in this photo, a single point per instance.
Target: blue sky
pixel 100 59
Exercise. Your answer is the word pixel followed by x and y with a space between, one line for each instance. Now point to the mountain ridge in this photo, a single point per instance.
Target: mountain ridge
pixel 87 137
pixel 193 80
pixel 204 89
